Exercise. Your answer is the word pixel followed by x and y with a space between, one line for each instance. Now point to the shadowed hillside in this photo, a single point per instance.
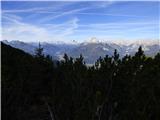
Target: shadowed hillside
pixel 39 88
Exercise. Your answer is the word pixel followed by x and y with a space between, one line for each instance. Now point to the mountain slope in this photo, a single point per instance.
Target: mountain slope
pixel 91 50
pixel 24 82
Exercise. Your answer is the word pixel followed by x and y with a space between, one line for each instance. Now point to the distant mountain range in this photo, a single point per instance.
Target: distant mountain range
pixel 91 50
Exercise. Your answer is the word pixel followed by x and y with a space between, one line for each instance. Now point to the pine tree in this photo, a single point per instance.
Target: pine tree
pixel 39 51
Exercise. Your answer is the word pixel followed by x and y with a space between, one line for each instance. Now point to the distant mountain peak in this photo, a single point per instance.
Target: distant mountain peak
pixel 5 41
pixel 91 49
pixel 93 40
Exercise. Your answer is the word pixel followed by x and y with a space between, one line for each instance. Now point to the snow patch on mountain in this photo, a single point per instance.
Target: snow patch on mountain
pixel 91 49
pixel 105 49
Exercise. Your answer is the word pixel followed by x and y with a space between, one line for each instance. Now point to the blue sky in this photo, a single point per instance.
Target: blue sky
pixel 66 21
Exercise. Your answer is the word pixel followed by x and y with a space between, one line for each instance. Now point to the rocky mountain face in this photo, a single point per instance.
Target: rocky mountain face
pixel 91 50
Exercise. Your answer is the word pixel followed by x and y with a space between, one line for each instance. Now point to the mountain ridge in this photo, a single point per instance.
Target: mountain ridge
pixel 90 50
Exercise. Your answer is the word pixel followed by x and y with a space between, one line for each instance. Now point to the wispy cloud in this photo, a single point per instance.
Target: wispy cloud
pixel 54 32
pixel 102 4
pixel 57 10
pixel 77 11
pixel 40 9
pixel 108 14
pixel 11 18
pixel 78 20
pixel 29 32
pixel 24 10
pixel 120 30
pixel 119 25
pixel 62 14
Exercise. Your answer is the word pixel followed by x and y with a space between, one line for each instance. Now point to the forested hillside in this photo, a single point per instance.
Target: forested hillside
pixel 39 88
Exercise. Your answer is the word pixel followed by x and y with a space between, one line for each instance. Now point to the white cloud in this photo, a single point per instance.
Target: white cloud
pixel 53 7
pixel 108 14
pixel 119 27
pixel 57 10
pixel 18 30
pixel 62 14
pixel 71 30
pixel 11 18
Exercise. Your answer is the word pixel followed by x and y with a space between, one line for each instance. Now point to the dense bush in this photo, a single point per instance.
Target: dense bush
pixel 38 88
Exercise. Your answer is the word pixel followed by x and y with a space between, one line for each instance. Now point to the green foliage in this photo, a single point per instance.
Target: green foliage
pixel 38 88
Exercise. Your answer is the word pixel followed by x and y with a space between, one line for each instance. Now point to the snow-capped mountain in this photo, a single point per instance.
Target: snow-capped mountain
pixel 91 49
